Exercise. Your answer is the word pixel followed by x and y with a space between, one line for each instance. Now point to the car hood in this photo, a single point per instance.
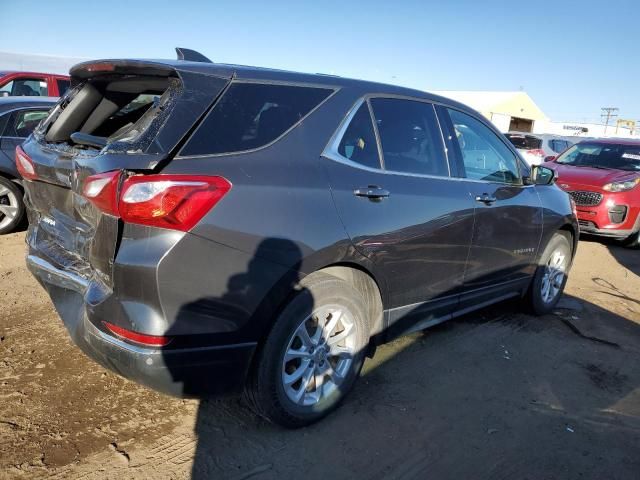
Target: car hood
pixel 596 177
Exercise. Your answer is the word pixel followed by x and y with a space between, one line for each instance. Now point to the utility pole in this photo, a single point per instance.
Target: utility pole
pixel 607 114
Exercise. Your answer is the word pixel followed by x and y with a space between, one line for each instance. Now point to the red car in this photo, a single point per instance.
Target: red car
pixel 603 177
pixel 32 84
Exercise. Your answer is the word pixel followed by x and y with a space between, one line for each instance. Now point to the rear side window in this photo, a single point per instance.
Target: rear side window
pixel 559 145
pixel 410 137
pixel 358 143
pixel 21 123
pixel 252 115
pixel 63 86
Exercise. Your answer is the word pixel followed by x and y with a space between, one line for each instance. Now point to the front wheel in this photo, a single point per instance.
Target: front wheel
pixel 551 275
pixel 313 355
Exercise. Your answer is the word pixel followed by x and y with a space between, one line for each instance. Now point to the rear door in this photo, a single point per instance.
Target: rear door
pixel 401 206
pixel 121 115
pixel 19 125
pixel 508 214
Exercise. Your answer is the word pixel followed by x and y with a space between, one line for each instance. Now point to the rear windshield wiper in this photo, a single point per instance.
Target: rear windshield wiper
pixel 80 138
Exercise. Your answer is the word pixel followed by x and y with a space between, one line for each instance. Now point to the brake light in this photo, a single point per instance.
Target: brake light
pixel 102 191
pixel 142 339
pixel 538 152
pixel 25 165
pixel 175 202
pixel 100 67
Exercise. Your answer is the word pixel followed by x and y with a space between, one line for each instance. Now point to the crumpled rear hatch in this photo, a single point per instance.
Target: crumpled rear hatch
pixel 119 115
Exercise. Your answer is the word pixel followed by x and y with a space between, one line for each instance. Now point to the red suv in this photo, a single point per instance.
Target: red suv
pixel 603 176
pixel 32 84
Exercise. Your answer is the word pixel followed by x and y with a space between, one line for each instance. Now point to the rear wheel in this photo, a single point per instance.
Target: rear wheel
pixel 313 355
pixel 11 206
pixel 551 275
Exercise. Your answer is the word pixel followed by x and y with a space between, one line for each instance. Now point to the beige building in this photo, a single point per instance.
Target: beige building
pixel 507 110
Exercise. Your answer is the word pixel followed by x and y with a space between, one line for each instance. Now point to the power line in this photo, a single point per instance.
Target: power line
pixel 607 114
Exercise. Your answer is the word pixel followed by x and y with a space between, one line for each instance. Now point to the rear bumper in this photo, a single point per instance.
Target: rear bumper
pixel 183 372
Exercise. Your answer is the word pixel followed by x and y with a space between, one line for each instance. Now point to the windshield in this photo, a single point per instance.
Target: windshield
pixel 620 157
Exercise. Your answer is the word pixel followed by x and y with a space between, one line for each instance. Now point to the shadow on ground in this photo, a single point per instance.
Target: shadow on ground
pixel 496 394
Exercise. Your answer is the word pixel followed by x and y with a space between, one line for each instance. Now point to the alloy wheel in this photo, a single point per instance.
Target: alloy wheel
pixel 8 206
pixel 319 355
pixel 554 274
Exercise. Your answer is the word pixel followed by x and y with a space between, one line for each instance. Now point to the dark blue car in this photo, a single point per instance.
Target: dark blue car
pixel 18 117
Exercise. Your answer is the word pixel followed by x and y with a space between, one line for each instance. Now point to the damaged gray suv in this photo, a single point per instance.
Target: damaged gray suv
pixel 205 228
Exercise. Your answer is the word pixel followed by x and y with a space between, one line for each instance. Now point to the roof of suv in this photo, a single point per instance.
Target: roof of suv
pixel 271 74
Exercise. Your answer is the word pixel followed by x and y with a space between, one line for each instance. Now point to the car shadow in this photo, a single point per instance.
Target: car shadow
pixel 495 393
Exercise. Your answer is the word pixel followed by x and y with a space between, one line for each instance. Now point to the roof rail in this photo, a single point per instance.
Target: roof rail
pixel 191 55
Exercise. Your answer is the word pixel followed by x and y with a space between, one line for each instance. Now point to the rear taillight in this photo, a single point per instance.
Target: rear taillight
pixel 25 165
pixel 140 338
pixel 176 202
pixel 102 191
pixel 538 152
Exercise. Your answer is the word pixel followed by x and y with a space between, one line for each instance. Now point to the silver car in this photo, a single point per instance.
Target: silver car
pixel 535 148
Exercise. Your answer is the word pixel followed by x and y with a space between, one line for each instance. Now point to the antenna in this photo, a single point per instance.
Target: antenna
pixel 191 55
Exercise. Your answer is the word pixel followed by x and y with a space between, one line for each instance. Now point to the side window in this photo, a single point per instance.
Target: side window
pixel 484 155
pixel 21 123
pixel 358 143
pixel 410 137
pixel 32 87
pixel 559 145
pixel 252 115
pixel 63 86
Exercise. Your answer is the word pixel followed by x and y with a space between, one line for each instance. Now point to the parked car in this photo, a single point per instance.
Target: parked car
pixel 18 117
pixel 32 84
pixel 535 148
pixel 602 176
pixel 256 229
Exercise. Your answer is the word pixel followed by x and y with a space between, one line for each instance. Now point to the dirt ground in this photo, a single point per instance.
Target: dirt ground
pixel 496 395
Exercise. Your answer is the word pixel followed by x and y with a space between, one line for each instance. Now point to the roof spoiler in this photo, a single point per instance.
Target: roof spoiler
pixel 191 55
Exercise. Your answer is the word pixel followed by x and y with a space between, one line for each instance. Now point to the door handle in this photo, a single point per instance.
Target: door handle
pixel 486 199
pixel 372 191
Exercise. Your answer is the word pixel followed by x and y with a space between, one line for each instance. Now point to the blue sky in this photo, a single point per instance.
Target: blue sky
pixel 572 57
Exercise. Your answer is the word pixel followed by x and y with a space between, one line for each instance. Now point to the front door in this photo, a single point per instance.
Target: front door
pixel 401 207
pixel 508 213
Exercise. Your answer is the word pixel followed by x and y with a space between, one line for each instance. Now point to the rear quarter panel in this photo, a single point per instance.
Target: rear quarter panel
pixel 279 217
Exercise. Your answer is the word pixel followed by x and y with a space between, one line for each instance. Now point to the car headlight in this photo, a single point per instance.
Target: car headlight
pixel 621 186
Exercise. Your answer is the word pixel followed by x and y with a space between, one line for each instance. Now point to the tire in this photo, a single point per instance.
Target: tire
pixel 547 286
pixel 11 206
pixel 271 391
pixel 632 241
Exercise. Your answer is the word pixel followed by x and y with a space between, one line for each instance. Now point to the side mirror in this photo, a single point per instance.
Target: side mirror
pixel 4 94
pixel 543 175
pixel 550 158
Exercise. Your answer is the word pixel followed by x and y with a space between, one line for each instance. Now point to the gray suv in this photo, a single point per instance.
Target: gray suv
pixel 205 228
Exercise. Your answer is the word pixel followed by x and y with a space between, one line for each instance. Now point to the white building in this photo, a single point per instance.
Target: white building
pixel 516 111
